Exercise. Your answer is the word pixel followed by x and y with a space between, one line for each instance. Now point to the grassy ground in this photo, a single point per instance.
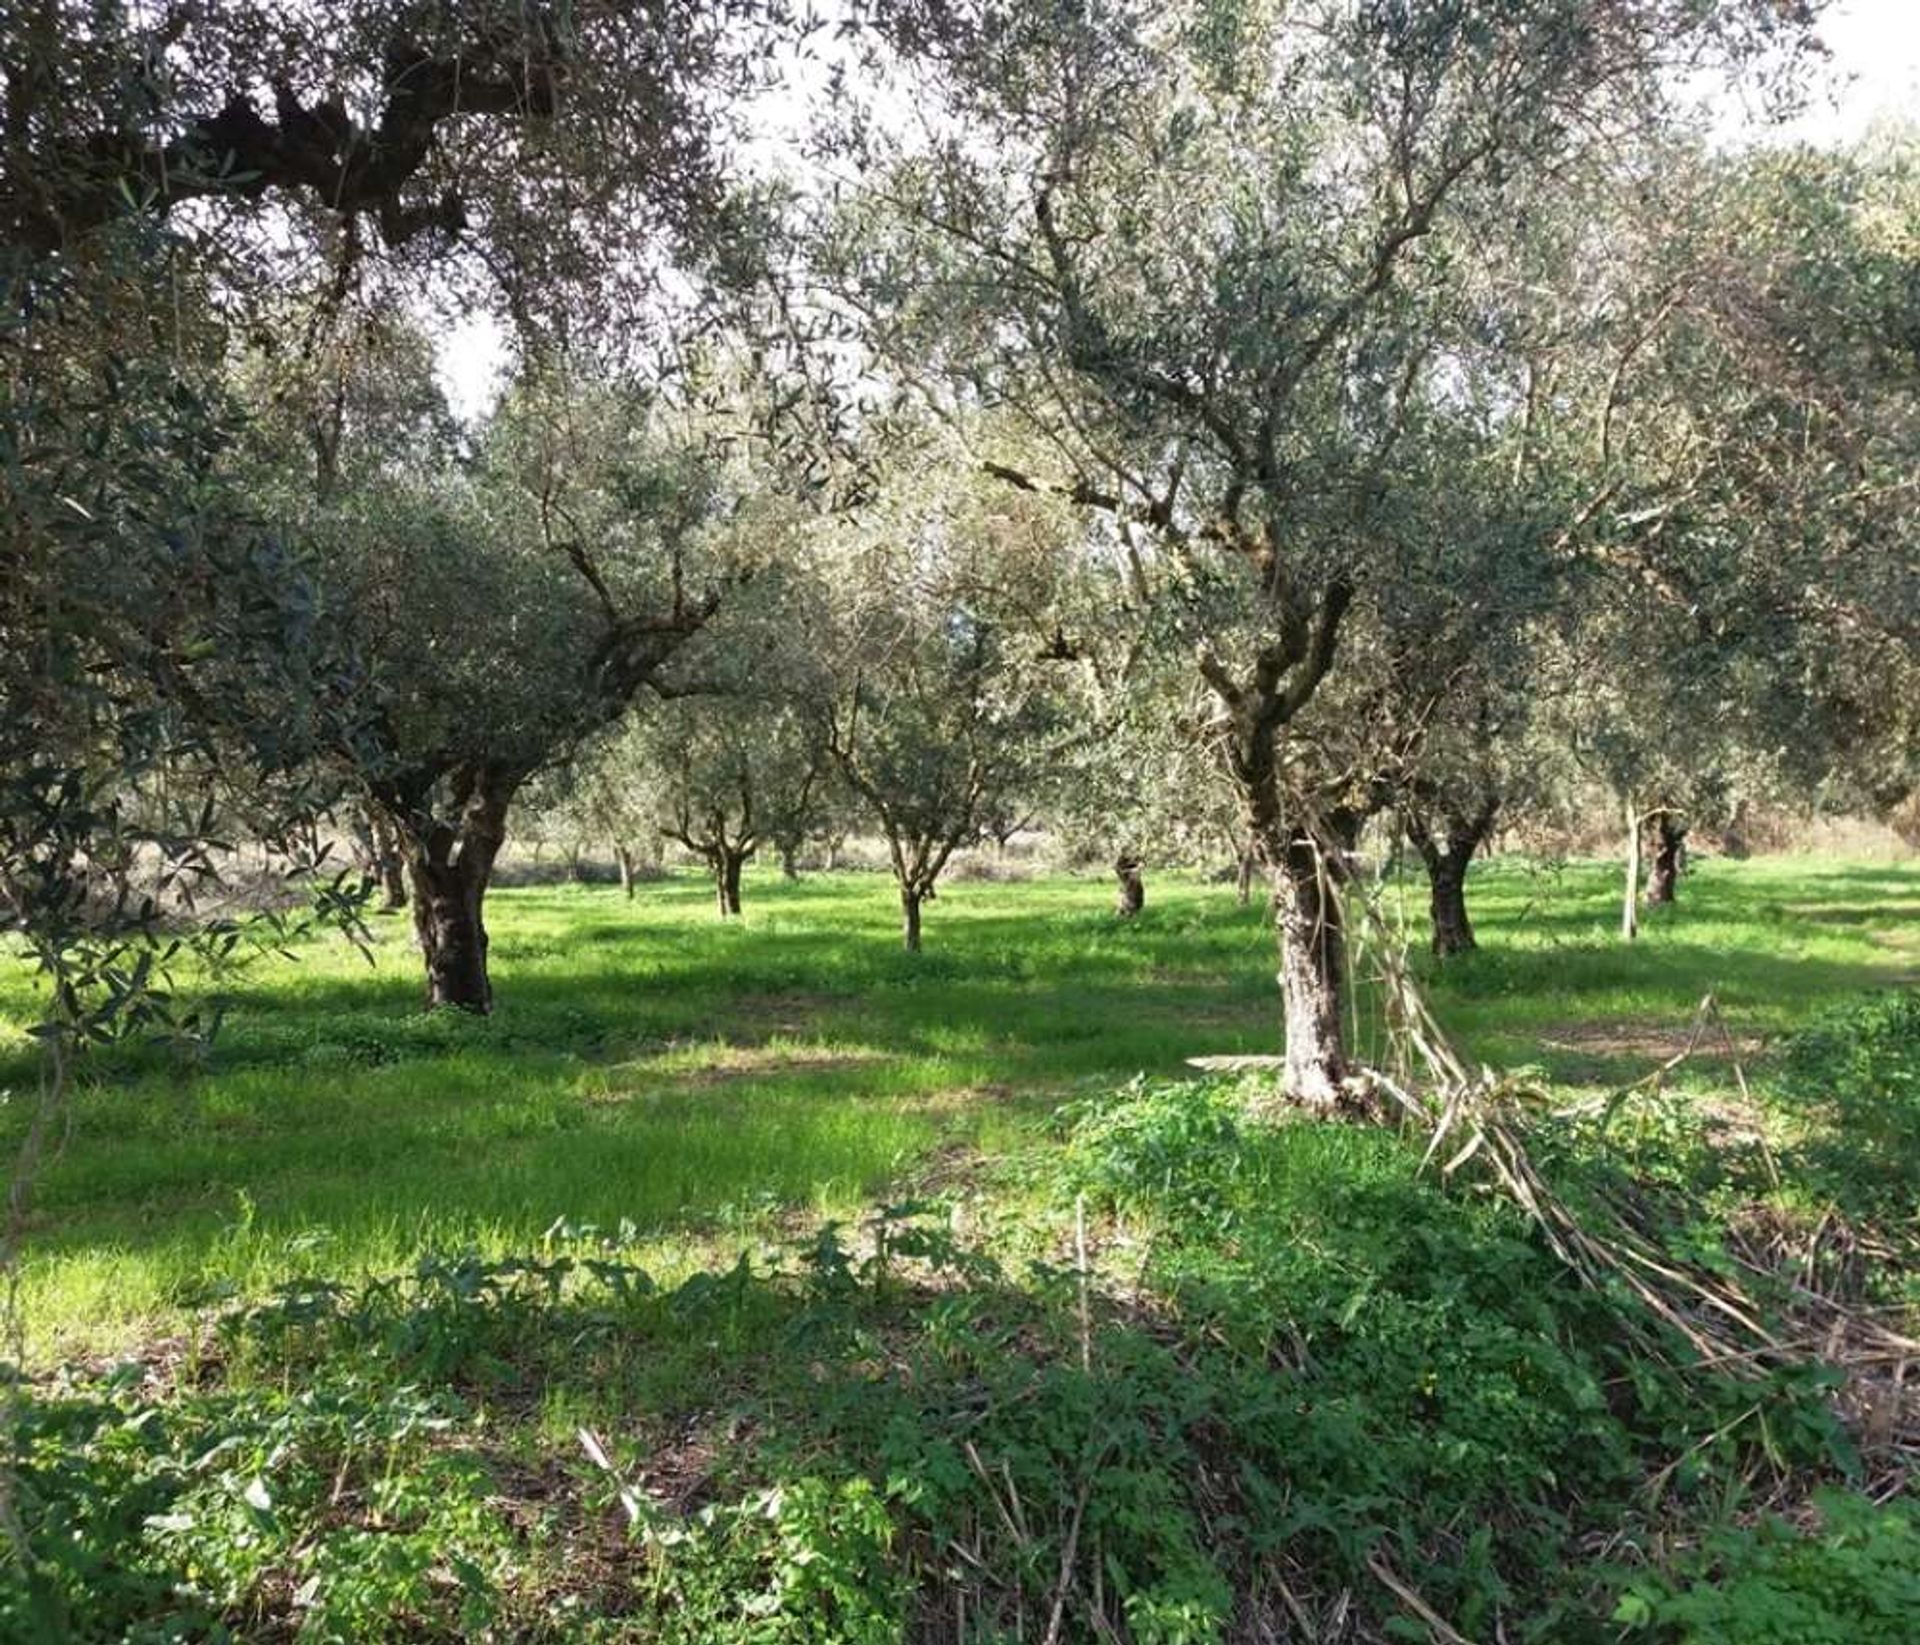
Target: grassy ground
pixel 762 1284
pixel 652 1067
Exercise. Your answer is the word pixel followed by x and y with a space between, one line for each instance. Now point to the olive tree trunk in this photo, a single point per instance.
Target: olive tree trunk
pixel 1630 898
pixel 1132 896
pixel 1304 851
pixel 449 918
pixel 389 861
pixel 1447 906
pixel 450 866
pixel 1669 848
pixel 623 855
pixel 1313 976
pixel 917 863
pixel 1448 857
pixel 727 863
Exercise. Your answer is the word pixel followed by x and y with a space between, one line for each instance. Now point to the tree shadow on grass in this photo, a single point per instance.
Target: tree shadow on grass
pixel 339 1089
pixel 738 986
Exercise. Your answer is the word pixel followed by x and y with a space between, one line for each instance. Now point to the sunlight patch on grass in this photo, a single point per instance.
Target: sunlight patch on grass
pixel 652 1066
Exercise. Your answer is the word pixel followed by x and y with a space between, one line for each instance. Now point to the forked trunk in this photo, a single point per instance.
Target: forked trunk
pixel 1448 857
pixel 450 866
pixel 1304 869
pixel 623 855
pixel 1133 891
pixel 1306 909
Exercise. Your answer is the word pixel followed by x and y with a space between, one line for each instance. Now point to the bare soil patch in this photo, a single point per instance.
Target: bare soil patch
pixel 739 1062
pixel 705 1066
pixel 1650 1042
pixel 758 1017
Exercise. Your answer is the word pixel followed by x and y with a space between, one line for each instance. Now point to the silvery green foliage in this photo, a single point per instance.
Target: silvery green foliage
pixel 169 662
pixel 1223 267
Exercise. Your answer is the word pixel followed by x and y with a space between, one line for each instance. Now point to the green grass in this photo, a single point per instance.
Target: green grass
pixel 1771 939
pixel 648 1065
pixel 1127 1358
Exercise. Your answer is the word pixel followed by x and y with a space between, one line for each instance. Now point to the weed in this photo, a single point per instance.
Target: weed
pixel 1853 1578
pixel 1852 1076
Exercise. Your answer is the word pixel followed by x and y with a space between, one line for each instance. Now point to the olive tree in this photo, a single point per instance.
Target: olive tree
pixel 925 731
pixel 936 710
pixel 1212 255
pixel 1138 780
pixel 596 798
pixel 1454 718
pixel 160 639
pixel 1475 762
pixel 728 782
pixel 174 179
pixel 537 146
pixel 742 763
pixel 1753 611
pixel 515 607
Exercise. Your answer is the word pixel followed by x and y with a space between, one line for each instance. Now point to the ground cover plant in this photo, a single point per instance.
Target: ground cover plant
pixel 756 1280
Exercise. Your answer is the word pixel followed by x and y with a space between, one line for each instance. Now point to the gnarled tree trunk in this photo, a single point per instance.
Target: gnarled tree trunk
pixel 1304 855
pixel 1447 906
pixel 1448 856
pixel 450 866
pixel 1669 856
pixel 1313 974
pixel 623 855
pixel 910 900
pixel 1132 895
pixel 448 916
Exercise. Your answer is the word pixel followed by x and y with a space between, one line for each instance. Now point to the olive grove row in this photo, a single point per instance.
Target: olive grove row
pixel 1200 427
